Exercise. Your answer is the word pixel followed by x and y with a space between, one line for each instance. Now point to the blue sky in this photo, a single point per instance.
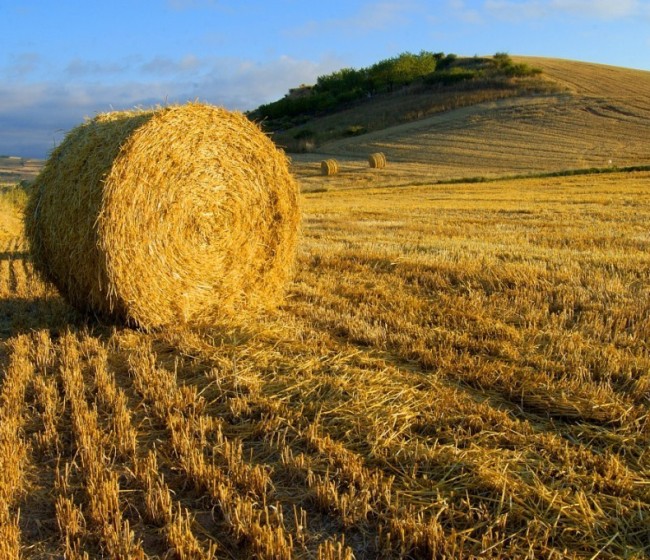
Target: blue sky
pixel 63 61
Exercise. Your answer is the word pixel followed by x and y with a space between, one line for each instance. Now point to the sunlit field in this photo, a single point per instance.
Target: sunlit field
pixel 458 371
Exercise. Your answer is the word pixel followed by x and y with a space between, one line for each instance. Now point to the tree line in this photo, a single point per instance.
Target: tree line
pixel 347 85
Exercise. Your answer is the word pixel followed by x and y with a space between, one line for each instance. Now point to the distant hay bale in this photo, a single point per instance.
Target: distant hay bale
pixel 329 167
pixel 377 161
pixel 183 214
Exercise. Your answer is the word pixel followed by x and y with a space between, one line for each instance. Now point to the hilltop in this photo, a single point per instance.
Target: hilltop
pixel 406 88
pixel 572 115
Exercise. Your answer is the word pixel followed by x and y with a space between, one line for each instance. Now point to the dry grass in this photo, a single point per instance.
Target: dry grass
pixel 388 110
pixel 177 215
pixel 460 371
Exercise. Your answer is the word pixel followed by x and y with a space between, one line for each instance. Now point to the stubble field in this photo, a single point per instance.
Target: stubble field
pixel 458 371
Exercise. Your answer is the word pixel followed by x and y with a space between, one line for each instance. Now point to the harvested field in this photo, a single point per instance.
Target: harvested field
pixel 18 169
pixel 458 371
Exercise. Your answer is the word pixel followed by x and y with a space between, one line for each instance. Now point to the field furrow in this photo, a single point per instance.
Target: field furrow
pixel 161 508
pixel 5 267
pixel 101 481
pixel 14 449
pixel 211 462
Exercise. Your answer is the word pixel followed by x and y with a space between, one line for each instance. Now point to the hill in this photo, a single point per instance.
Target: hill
pixel 592 116
pixel 574 115
pixel 402 89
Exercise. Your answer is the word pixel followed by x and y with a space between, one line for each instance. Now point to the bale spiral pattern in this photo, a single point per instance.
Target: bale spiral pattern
pixel 179 214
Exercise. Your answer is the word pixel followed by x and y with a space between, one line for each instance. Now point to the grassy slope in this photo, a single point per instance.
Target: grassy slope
pixel 603 119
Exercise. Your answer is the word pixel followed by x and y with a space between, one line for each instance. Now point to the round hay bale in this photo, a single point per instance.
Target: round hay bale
pixel 377 161
pixel 183 214
pixel 329 167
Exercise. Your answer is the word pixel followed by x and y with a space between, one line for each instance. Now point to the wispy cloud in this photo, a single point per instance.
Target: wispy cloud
pixel 21 65
pixel 535 9
pixel 245 84
pixel 165 66
pixel 379 16
pixel 35 115
pixel 464 13
pixel 180 5
pixel 516 11
pixel 604 9
pixel 79 68
pixel 369 18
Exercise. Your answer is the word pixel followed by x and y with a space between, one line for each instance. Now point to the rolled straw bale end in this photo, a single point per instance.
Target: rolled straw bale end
pixel 377 160
pixel 182 214
pixel 329 167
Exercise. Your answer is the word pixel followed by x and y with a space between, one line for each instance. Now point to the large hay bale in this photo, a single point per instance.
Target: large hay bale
pixel 182 214
pixel 329 167
pixel 377 161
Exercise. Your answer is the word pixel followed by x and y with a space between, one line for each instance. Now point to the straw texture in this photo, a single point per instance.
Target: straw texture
pixel 329 167
pixel 377 160
pixel 180 214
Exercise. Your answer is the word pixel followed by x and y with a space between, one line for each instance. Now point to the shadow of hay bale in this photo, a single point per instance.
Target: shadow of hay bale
pixel 24 315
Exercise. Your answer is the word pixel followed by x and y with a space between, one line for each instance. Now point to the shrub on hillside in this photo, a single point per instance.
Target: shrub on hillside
pixel 347 86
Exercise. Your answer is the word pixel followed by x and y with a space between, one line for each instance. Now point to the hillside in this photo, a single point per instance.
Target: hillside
pixel 599 117
pixel 398 90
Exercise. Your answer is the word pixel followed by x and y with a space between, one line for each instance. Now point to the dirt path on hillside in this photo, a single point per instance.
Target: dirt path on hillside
pixel 439 120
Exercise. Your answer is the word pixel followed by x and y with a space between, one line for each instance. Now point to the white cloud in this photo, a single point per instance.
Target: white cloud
pixel 378 16
pixel 246 85
pixel 79 68
pixel 465 14
pixel 180 5
pixel 162 66
pixel 535 9
pixel 35 115
pixel 604 9
pixel 516 11
pixel 21 65
pixel 370 17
